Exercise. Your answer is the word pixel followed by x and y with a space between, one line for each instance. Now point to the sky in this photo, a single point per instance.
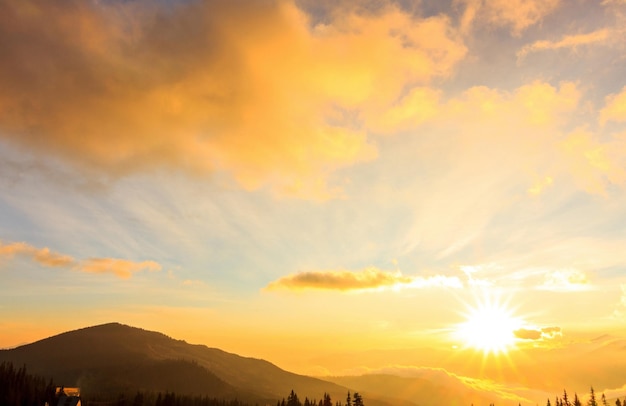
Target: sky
pixel 332 186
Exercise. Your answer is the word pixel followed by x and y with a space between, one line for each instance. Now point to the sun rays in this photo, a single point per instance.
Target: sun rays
pixel 489 326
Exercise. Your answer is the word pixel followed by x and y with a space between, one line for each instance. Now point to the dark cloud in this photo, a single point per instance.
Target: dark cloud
pixel 370 278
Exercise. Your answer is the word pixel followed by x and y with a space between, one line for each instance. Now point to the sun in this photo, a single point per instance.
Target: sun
pixel 489 327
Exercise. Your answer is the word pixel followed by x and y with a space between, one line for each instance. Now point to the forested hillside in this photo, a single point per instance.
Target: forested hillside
pixel 19 387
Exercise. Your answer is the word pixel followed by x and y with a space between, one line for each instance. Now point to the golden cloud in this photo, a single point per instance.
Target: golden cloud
pixel 568 41
pixel 537 333
pixel 121 87
pixel 367 279
pixel 620 309
pixel 594 164
pixel 517 14
pixel 119 267
pixel 615 108
pixel 43 256
pixel 566 280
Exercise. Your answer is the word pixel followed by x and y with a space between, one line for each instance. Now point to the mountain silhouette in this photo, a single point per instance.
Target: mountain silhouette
pixel 116 358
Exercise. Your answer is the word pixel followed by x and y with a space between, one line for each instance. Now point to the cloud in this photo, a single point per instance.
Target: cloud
pixel 368 279
pixel 620 310
pixel 537 333
pixel 519 130
pixel 569 41
pixel 448 387
pixel 527 334
pixel 516 14
pixel 540 186
pixel 415 108
pixel 594 164
pixel 615 108
pixel 470 270
pixel 43 256
pixel 119 267
pixel 566 280
pixel 122 87
pixel 541 150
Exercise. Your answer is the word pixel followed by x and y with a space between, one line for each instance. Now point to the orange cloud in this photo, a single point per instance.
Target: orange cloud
pixel 124 87
pixel 568 41
pixel 368 279
pixel 418 106
pixel 43 256
pixel 594 164
pixel 517 14
pixel 537 333
pixel 615 108
pixel 119 267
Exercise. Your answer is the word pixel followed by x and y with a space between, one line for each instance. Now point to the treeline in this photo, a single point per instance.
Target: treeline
pixel 293 400
pixel 566 400
pixel 158 399
pixel 19 388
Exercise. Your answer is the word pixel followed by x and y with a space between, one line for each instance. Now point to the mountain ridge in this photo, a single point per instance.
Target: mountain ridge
pixel 114 356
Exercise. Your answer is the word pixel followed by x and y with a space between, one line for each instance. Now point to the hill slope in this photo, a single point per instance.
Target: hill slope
pixel 115 357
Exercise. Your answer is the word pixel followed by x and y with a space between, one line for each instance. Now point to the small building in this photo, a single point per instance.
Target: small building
pixel 67 396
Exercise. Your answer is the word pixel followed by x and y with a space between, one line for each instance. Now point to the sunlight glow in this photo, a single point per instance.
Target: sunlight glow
pixel 489 327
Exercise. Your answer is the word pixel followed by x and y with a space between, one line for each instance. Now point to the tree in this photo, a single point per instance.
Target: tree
pixel 349 400
pixel 139 401
pixel 576 400
pixel 358 400
pixel 292 399
pixel 592 398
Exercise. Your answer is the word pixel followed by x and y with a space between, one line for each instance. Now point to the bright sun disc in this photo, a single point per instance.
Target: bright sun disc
pixel 489 327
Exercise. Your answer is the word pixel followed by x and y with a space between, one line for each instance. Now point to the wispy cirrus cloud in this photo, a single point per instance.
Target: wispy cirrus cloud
pixel 367 279
pixel 568 42
pixel 516 14
pixel 121 268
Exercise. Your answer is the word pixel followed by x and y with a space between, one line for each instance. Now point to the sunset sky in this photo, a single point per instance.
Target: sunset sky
pixel 315 182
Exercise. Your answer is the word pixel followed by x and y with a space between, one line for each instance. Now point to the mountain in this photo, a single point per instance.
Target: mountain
pixel 115 358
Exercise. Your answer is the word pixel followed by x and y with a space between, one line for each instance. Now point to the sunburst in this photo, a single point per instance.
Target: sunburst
pixel 489 326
